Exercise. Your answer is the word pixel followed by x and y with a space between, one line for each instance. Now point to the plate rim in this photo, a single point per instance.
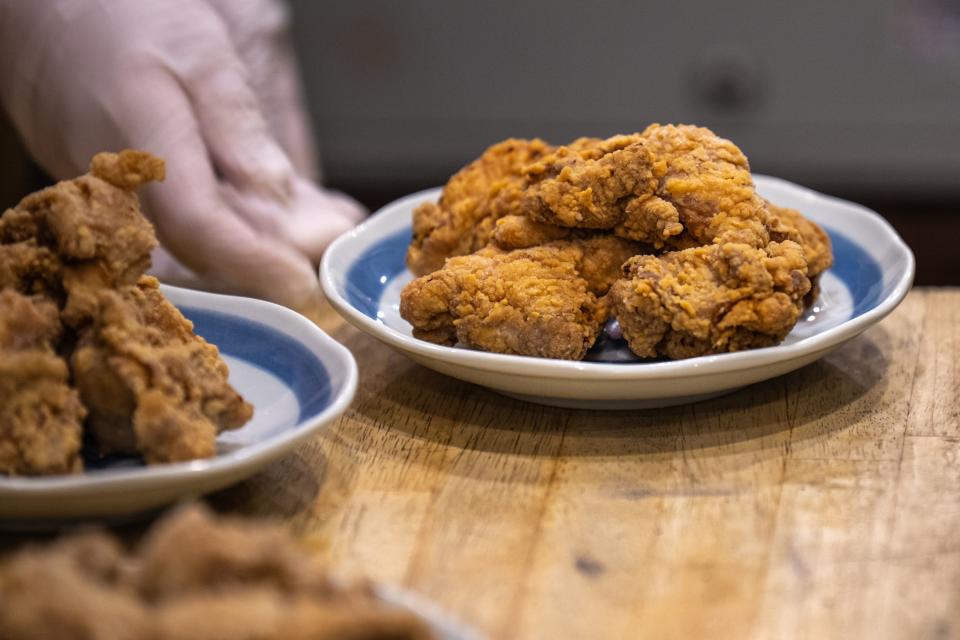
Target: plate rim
pixel 134 479
pixel 675 369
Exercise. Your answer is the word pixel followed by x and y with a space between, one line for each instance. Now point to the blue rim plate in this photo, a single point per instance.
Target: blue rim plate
pixel 363 272
pixel 297 378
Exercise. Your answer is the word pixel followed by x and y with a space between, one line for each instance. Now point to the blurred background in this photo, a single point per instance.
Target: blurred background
pixel 860 99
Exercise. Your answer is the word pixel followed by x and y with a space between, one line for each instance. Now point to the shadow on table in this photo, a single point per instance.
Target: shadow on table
pixel 283 490
pixel 806 404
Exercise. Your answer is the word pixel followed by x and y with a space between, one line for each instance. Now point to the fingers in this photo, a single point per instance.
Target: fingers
pixel 259 30
pixel 193 221
pixel 236 135
pixel 314 218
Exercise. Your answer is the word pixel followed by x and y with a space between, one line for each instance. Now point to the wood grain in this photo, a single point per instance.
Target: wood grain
pixel 822 504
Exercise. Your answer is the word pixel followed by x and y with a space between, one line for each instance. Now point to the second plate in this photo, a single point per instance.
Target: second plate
pixel 363 273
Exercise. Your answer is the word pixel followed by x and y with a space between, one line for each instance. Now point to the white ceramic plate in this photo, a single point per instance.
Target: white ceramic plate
pixel 296 376
pixel 363 273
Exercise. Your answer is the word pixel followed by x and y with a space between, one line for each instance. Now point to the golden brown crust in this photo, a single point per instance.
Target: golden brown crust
pixel 151 384
pixel 521 232
pixel 128 169
pixel 587 185
pixel 811 236
pixel 710 299
pixel 40 415
pixel 463 220
pixel 707 180
pixel 526 302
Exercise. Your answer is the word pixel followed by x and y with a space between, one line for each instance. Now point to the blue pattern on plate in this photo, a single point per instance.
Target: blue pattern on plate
pixel 267 348
pixel 370 274
pixel 378 265
pixel 858 271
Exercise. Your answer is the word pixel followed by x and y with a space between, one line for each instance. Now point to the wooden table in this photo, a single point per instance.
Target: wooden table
pixel 825 503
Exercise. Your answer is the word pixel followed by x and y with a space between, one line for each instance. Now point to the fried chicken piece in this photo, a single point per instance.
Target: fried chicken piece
pixel 195 577
pixel 791 224
pixel 521 232
pixel 533 302
pixel 588 183
pixel 601 259
pixel 40 415
pixel 29 268
pixel 711 299
pixel 706 187
pixel 602 254
pixel 678 186
pixel 94 225
pixel 809 235
pixel 462 221
pixel 150 383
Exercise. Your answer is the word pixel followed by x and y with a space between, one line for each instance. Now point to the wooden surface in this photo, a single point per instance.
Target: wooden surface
pixel 823 504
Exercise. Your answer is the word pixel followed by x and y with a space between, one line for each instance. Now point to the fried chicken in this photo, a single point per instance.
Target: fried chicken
pixel 706 187
pixel 194 577
pixel 94 226
pixel 810 235
pixel 462 221
pixel 677 186
pixel 29 268
pixel 710 265
pixel 719 297
pixel 150 383
pixel 532 302
pixel 588 184
pixel 521 232
pixel 40 415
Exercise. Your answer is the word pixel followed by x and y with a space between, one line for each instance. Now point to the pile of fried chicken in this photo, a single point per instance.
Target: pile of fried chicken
pixel 89 347
pixel 531 249
pixel 193 577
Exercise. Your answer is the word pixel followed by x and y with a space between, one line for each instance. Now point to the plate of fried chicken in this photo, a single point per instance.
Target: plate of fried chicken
pixel 642 270
pixel 118 394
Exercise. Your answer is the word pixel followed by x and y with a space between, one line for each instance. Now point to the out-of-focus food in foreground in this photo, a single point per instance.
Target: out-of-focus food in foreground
pixel 193 577
pixel 531 249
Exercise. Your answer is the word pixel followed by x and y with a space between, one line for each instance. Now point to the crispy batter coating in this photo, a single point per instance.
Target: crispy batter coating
pixel 710 299
pixel 94 227
pixel 532 302
pixel 677 186
pixel 29 268
pixel 128 169
pixel 521 232
pixel 40 415
pixel 150 383
pixel 601 259
pixel 462 221
pixel 602 253
pixel 706 188
pixel 194 577
pixel 809 235
pixel 587 184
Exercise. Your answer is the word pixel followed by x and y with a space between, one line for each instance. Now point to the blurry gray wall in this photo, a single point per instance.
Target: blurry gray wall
pixel 860 94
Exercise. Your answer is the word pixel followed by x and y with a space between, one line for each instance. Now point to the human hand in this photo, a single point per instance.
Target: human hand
pixel 209 86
